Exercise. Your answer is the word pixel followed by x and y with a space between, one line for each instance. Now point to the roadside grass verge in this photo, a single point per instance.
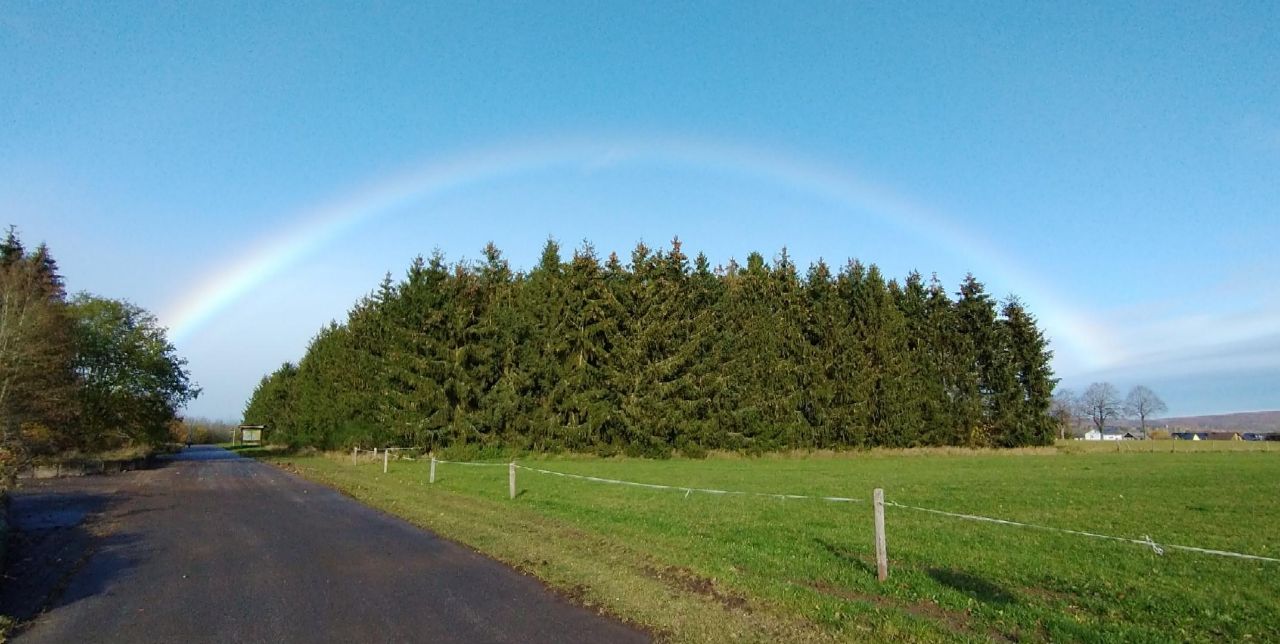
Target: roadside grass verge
pixel 700 567
pixel 261 451
pixel 127 453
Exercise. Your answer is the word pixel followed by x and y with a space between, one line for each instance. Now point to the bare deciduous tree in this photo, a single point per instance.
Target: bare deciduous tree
pixel 1102 402
pixel 1143 403
pixel 1065 409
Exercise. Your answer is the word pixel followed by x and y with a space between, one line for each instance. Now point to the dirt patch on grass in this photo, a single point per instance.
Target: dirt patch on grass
pixel 959 622
pixel 691 582
pixel 1056 598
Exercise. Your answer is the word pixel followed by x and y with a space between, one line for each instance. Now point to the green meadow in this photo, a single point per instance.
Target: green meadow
pixel 702 567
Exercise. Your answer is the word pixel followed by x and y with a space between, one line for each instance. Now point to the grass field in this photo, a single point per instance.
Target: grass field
pixel 700 567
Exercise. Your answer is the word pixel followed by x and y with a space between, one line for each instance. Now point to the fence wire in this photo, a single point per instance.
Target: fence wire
pixel 1145 541
pixel 689 490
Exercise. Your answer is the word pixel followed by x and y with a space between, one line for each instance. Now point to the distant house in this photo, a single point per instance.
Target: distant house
pixel 1224 436
pixel 1111 434
pixel 1190 436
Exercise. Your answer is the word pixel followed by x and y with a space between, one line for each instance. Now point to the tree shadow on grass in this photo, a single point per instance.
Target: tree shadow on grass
pixel 846 556
pixel 972 585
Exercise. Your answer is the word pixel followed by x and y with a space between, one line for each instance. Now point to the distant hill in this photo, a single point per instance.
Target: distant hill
pixel 1252 421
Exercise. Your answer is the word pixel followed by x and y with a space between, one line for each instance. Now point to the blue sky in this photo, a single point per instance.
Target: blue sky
pixel 247 171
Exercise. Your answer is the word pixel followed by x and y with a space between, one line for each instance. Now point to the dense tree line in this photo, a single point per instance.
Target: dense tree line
pixel 77 372
pixel 665 353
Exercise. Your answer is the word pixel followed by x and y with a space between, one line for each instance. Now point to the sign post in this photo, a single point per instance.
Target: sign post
pixel 249 434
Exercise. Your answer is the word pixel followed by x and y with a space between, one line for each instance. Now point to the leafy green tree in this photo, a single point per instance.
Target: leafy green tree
pixel 132 381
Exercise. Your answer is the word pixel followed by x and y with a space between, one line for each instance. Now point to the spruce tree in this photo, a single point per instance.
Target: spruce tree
pixel 642 372
pixel 500 331
pixel 880 350
pixel 996 407
pixel 46 269
pixel 791 376
pixel 11 249
pixel 38 386
pixel 1030 355
pixel 825 328
pixel 704 293
pixel 547 351
pixel 584 406
pixel 663 354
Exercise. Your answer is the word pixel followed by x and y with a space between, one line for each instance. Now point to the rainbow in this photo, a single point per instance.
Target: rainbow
pixel 316 227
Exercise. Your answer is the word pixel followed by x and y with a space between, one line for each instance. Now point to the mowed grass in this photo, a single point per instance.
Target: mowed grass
pixel 699 567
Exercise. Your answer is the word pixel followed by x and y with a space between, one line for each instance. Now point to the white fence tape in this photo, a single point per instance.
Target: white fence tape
pixel 689 490
pixel 1146 540
pixel 473 464
pixel 1159 548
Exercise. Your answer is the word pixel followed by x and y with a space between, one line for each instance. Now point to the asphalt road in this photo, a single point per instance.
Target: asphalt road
pixel 214 547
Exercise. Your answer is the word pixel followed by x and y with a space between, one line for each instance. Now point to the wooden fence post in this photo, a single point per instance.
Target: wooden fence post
pixel 882 556
pixel 511 479
pixel 354 451
pixel 432 479
pixel 385 452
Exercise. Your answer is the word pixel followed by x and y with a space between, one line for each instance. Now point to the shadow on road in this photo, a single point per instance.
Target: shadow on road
pixel 51 540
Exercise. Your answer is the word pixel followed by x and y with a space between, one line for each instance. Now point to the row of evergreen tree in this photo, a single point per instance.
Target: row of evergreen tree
pixel 664 354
